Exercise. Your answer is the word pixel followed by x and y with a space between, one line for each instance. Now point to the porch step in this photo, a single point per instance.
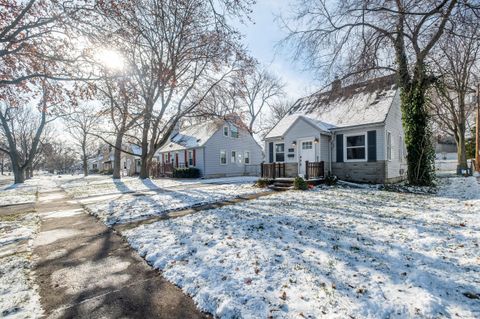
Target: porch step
pixel 282 185
pixel 280 188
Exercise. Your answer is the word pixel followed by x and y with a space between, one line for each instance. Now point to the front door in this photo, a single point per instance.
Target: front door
pixel 306 153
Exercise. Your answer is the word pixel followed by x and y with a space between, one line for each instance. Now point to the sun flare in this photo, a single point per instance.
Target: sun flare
pixel 110 59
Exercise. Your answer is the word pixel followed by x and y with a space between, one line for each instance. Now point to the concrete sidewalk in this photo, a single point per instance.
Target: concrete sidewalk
pixel 85 270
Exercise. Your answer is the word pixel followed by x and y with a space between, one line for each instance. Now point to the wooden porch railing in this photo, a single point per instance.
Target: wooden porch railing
pixel 314 170
pixel 272 170
pixel 161 170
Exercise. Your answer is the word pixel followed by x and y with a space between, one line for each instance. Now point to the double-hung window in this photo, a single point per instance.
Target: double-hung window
pixel 225 130
pixel 223 157
pixel 190 158
pixel 280 152
pixel 233 158
pixel 247 157
pixel 234 131
pixel 355 147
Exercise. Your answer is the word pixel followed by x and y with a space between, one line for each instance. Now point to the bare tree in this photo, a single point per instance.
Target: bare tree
pixel 81 122
pixel 259 89
pixel 357 37
pixel 22 127
pixel 124 113
pixel 457 62
pixel 177 52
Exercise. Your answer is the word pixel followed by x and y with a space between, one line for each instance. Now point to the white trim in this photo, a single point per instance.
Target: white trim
pixel 275 151
pixel 236 154
pixel 345 147
pixel 220 157
pixel 245 157
pixel 387 134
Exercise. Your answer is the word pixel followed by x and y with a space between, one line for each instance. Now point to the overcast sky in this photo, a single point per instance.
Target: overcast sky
pixel 261 40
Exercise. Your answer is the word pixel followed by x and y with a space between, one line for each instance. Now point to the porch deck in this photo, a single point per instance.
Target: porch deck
pixel 314 171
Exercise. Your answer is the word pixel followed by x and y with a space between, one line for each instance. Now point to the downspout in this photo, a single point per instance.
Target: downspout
pixel 332 141
pixel 204 160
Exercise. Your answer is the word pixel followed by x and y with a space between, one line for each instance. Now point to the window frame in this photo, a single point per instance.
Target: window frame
pixel 235 160
pixel 307 142
pixel 345 147
pixel 226 131
pixel 224 153
pixel 245 157
pixel 190 158
pixel 275 152
pixel 236 131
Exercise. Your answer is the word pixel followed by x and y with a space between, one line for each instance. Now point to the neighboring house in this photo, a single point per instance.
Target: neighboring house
pixel 356 131
pixel 104 161
pixel 131 164
pixel 216 147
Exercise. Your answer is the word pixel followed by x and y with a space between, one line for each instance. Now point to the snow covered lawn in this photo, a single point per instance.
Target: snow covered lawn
pixel 331 252
pixel 25 193
pixel 102 185
pixel 18 295
pixel 129 207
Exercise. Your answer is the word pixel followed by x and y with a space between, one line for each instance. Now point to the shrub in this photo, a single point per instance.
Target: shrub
pixel 190 172
pixel 300 184
pixel 330 179
pixel 107 171
pixel 263 182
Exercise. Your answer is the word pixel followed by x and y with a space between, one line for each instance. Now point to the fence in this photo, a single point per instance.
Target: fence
pixel 314 170
pixel 272 170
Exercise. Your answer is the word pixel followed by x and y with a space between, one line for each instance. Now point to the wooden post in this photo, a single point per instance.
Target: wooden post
pixel 274 164
pixel 477 132
pixel 306 170
pixel 261 169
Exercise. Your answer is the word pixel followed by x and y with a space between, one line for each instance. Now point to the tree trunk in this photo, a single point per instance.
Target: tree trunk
pixel 117 154
pixel 18 172
pixel 461 151
pixel 144 157
pixel 418 136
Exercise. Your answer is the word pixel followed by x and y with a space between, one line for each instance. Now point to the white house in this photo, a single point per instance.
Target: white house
pixel 356 131
pixel 216 147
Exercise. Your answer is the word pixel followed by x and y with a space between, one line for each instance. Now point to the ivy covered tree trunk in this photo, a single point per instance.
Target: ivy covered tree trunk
pixel 418 135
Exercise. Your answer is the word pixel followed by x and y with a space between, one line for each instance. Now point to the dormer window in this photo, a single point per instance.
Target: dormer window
pixel 234 131
pixel 225 130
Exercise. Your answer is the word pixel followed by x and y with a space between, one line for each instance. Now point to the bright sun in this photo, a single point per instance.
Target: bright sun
pixel 111 59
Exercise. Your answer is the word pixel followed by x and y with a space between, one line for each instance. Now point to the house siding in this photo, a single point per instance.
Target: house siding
pixel 395 168
pixel 218 142
pixel 301 129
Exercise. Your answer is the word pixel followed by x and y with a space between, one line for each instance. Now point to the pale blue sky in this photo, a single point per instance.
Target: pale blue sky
pixel 261 38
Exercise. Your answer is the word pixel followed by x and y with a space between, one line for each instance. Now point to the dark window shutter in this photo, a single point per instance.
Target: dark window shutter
pixel 372 146
pixel 339 148
pixel 270 152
